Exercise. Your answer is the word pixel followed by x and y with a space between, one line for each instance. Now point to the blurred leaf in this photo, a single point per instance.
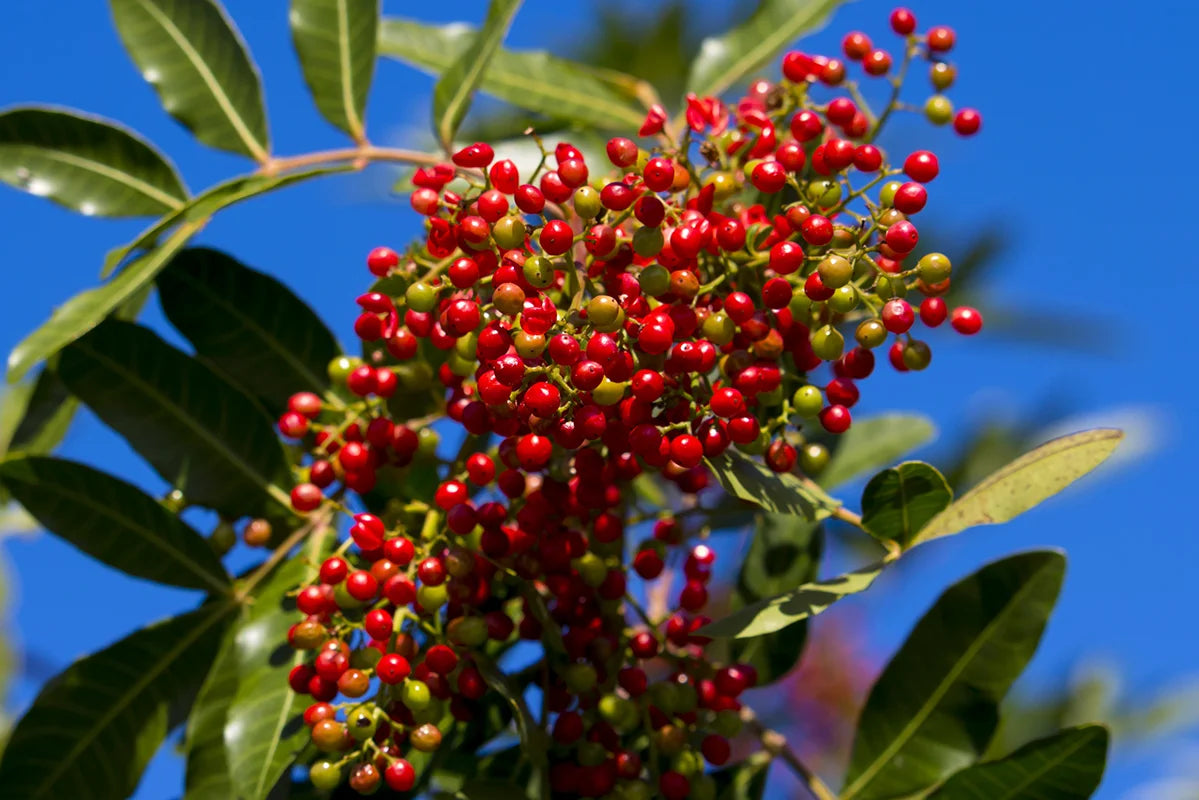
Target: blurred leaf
pixel 1025 482
pixel 1066 766
pixel 988 447
pixel 874 443
pixel 193 56
pixel 532 737
pixel 810 599
pixel 264 730
pixel 93 728
pixel 936 705
pixel 784 553
pixel 898 502
pixel 745 781
pixel 335 40
pixel 88 164
pixel 113 521
pixel 733 56
pixel 529 79
pixel 198 431
pixel 457 83
pixel 654 44
pixel 87 309
pixel 247 325
pixel 749 479
pixel 200 208
pixel 207 776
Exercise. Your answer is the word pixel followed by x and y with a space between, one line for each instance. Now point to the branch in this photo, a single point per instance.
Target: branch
pixel 315 523
pixel 776 744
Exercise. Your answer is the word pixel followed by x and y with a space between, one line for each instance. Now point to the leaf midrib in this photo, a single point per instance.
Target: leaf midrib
pixel 172 406
pixel 347 70
pixel 930 705
pixel 68 759
pixel 210 80
pixel 148 535
pixel 475 60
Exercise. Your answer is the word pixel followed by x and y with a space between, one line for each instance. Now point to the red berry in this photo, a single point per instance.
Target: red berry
pixel 393 668
pixel 817 230
pixel 362 585
pixel 877 62
pixel 556 237
pixel 686 450
pixel 769 177
pixel 400 775
pixel 898 315
pixel 658 174
pixel 835 419
pixel 477 155
pixel 856 45
pixel 382 260
pixel 933 311
pixel 902 237
pixel 921 166
pixel 966 320
pixel 306 497
pixel 967 122
pixel 910 198
pixel 903 21
pixel 622 152
pixel 941 39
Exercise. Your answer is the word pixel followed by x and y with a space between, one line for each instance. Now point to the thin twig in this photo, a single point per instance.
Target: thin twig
pixel 776 744
pixel 301 533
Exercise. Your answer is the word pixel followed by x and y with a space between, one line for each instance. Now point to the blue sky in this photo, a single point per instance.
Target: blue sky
pixel 1074 105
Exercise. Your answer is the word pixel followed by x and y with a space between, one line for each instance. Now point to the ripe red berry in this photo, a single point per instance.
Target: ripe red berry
pixel 769 177
pixel 306 497
pixel 966 320
pixel 898 315
pixel 941 39
pixel 556 237
pixel 856 45
pixel 902 237
pixel 393 668
pixel 686 450
pixel 817 230
pixel 967 122
pixel 835 419
pixel 910 198
pixel 877 62
pixel 622 152
pixel 903 21
pixel 382 260
pixel 477 155
pixel 362 585
pixel 658 174
pixel 921 166
pixel 400 775
pixel 933 311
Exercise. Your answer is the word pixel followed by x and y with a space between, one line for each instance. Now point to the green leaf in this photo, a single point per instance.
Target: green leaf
pixel 1065 766
pixel 264 731
pixel 87 309
pixel 199 432
pixel 47 414
pixel 247 325
pixel 745 781
pixel 1025 482
pixel 874 443
pixel 457 84
pixel 532 738
pixel 936 705
pixel 335 40
pixel 775 613
pixel 898 502
pixel 530 79
pixel 93 728
pixel 785 553
pixel 88 164
pixel 193 56
pixel 731 57
pixel 113 521
pixel 209 202
pixel 749 479
pixel 207 775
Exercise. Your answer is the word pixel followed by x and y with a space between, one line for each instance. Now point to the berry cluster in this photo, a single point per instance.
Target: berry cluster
pixel 596 330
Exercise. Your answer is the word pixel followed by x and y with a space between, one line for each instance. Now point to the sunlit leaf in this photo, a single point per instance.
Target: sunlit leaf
pixel 749 479
pixel 935 707
pixel 335 40
pixel 457 84
pixel 86 163
pixel 193 56
pixel 1025 482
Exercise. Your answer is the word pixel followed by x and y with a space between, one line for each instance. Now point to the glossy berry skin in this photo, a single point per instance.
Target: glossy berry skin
pixel 967 122
pixel 921 166
pixel 769 177
pixel 966 320
pixel 836 419
pixel 903 21
pixel 933 311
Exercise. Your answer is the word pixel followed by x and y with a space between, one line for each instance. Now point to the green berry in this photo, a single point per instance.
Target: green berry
pixel 916 355
pixel 828 343
pixel 361 724
pixel 938 109
pixel 539 271
pixel 608 393
pixel 813 458
pixel 509 232
pixel 421 297
pixel 324 775
pixel 843 300
pixel 719 329
pixel 870 333
pixel 648 242
pixel 807 401
pixel 579 678
pixel 886 195
pixel 835 271
pixel 604 313
pixel 427 440
pixel 415 695
pixel 341 367
pixel 587 202
pixel 592 569
pixel 934 267
pixel 432 598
